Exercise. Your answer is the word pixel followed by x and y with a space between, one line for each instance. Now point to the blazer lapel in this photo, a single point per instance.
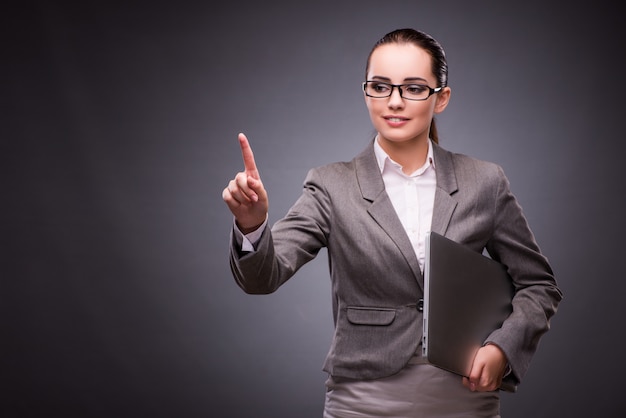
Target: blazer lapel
pixel 446 186
pixel 381 209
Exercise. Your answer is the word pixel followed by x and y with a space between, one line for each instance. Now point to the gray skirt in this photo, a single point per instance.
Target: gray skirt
pixel 417 391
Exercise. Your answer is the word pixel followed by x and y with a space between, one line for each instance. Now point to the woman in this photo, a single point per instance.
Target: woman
pixel 372 214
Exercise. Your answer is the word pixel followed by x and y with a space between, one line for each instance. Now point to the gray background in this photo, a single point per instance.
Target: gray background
pixel 119 127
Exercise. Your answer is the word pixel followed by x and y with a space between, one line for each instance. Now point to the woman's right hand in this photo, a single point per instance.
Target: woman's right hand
pixel 245 195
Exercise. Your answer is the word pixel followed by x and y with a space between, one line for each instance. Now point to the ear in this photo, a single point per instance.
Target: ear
pixel 443 97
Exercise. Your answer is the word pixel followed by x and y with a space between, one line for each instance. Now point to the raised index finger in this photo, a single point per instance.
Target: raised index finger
pixel 248 157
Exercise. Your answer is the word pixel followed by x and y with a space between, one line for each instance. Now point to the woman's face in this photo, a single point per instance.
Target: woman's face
pixel 397 119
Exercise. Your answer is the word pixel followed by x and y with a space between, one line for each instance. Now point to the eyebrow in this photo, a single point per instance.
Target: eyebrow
pixel 378 77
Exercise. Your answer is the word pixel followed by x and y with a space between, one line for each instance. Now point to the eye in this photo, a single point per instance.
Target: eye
pixel 380 87
pixel 415 88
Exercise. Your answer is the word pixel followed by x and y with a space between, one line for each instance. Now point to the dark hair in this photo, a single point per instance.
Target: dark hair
pixel 422 40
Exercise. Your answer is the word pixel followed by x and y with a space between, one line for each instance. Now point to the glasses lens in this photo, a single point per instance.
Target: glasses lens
pixel 415 91
pixel 377 89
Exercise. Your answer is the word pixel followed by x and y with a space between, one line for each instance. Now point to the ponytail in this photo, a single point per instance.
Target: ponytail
pixel 434 135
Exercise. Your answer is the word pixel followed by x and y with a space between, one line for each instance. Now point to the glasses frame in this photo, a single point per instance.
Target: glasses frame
pixel 431 90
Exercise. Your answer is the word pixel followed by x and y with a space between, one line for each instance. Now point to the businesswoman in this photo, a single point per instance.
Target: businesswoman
pixel 372 215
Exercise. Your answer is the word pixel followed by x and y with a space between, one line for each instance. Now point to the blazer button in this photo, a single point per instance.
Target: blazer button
pixel 420 305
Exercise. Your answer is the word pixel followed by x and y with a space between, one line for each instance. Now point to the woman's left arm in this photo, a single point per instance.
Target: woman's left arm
pixel 536 296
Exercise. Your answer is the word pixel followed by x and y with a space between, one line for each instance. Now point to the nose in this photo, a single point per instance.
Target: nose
pixel 396 100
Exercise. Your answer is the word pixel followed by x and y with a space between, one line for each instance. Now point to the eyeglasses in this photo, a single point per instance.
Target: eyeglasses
pixel 380 90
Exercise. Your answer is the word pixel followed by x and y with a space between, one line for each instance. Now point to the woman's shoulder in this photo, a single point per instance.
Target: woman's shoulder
pixel 365 157
pixel 463 162
pixel 346 174
pixel 333 170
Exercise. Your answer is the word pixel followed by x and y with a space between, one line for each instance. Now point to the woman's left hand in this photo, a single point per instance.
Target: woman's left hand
pixel 487 369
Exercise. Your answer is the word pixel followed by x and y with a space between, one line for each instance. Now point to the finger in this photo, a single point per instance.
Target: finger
pixel 248 157
pixel 473 380
pixel 229 199
pixel 489 380
pixel 232 195
pixel 247 187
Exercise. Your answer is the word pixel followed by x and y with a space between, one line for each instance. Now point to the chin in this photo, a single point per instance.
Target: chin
pixel 397 136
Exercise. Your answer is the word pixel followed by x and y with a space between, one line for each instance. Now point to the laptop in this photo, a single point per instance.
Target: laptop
pixel 466 296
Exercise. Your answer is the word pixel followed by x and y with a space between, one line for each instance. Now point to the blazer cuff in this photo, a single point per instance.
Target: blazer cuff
pixel 248 241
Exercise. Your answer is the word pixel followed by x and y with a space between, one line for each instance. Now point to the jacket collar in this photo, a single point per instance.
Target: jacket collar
pixel 447 186
pixel 371 181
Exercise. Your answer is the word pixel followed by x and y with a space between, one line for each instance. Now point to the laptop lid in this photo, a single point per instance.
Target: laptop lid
pixel 466 296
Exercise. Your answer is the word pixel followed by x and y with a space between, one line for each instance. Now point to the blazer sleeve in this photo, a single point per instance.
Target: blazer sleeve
pixel 536 294
pixel 285 247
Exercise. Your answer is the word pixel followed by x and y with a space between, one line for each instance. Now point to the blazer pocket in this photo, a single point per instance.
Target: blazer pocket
pixel 371 316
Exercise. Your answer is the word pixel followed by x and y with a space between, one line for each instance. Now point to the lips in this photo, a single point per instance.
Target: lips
pixel 395 121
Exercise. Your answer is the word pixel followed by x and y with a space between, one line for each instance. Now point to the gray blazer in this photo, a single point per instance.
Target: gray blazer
pixel 375 276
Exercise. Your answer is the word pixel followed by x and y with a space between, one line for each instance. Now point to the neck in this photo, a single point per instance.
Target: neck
pixel 410 154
